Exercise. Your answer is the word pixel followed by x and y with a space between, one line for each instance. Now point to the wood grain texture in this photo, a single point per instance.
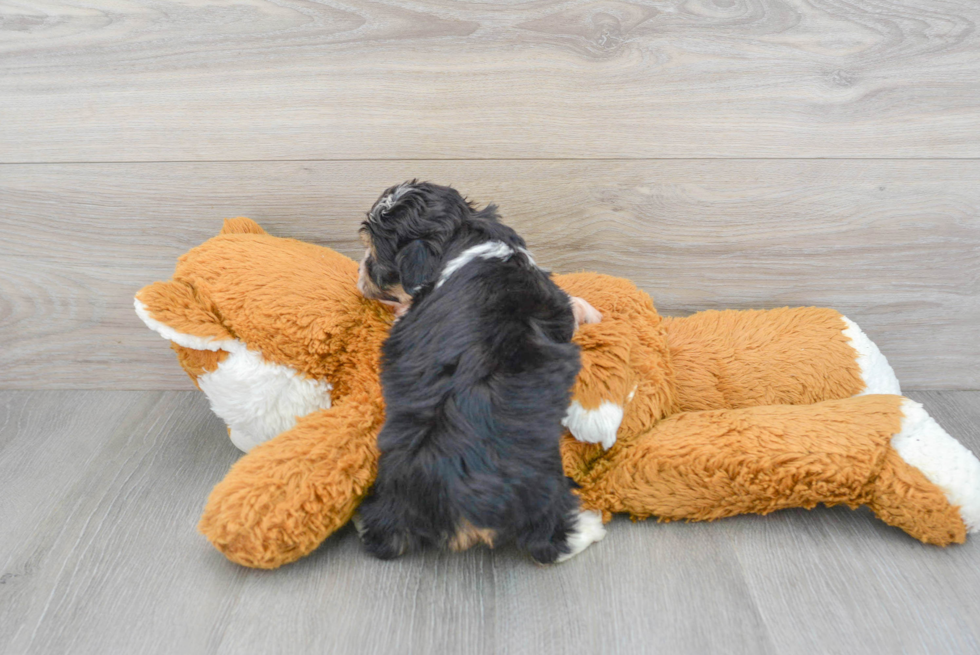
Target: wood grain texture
pixel 122 80
pixel 894 245
pixel 100 493
pixel 854 585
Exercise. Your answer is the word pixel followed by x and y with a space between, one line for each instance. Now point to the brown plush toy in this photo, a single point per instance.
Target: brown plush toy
pixel 694 418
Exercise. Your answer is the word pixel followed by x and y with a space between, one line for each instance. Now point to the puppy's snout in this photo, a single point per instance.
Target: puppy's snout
pixel 361 272
pixel 395 298
pixel 364 284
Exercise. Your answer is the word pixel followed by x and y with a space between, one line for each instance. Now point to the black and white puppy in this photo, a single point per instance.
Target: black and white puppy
pixel 477 374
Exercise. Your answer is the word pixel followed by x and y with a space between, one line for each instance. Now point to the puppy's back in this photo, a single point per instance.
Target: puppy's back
pixel 477 377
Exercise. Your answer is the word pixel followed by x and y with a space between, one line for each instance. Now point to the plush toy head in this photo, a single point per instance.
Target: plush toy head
pixel 697 418
pixel 273 329
pixel 282 318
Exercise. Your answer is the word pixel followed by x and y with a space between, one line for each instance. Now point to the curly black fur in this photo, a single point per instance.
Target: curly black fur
pixel 477 376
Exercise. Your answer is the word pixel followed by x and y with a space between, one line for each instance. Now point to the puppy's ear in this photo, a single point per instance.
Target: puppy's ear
pixel 489 213
pixel 417 265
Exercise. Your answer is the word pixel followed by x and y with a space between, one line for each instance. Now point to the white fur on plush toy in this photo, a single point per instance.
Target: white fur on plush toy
pixel 598 425
pixel 941 458
pixel 256 399
pixel 876 372
pixel 185 340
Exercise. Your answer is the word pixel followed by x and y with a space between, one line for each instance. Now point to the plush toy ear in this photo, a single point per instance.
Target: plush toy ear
pixel 416 265
pixel 179 312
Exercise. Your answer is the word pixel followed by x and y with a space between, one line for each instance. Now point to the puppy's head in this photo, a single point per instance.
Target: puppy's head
pixel 405 236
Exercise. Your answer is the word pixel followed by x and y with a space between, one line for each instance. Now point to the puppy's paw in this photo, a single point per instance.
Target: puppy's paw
pixel 378 534
pixel 584 312
pixel 588 529
pixel 383 545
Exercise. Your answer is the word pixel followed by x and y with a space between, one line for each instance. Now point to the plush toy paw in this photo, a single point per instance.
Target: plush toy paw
pixel 598 425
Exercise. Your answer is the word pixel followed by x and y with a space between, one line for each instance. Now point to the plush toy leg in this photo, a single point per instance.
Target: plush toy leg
pixel 287 495
pixel 881 451
pixel 803 355
pixel 923 449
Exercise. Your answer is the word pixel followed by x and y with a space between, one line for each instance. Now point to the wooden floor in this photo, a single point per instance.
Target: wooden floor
pixel 99 553
pixel 721 153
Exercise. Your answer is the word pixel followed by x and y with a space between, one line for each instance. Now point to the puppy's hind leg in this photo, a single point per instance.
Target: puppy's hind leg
pixel 565 534
pixel 380 524
pixel 587 529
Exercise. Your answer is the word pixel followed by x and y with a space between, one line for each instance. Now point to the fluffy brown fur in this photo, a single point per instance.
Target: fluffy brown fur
pixel 724 412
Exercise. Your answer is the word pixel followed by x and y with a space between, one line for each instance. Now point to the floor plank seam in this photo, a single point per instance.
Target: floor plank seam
pixel 473 159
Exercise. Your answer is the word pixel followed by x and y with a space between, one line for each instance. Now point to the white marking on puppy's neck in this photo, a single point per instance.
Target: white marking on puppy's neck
pixel 486 250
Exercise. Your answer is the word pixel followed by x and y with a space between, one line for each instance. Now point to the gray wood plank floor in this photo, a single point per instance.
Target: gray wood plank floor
pixel 100 492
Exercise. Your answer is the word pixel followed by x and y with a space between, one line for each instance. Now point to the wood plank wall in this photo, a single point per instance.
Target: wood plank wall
pixel 722 153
